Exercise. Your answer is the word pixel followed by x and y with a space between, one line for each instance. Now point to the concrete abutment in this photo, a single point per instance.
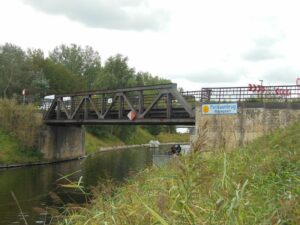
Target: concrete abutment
pixel 231 131
pixel 62 142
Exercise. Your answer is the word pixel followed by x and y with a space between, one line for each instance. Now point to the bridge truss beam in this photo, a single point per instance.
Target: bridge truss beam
pixel 159 104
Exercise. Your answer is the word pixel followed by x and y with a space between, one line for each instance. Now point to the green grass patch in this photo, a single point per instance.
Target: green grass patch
pixel 141 136
pixel 11 151
pixel 93 143
pixel 257 184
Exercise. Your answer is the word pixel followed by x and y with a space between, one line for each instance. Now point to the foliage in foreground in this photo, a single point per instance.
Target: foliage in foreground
pixel 258 184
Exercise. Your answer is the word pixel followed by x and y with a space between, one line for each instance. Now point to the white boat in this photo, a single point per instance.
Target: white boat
pixel 154 144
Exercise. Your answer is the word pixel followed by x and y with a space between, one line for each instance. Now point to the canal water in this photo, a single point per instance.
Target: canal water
pixel 39 187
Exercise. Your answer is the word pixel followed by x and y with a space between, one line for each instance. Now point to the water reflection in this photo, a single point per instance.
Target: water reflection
pixel 32 185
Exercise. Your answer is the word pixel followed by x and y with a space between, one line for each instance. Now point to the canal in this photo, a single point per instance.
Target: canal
pixel 38 188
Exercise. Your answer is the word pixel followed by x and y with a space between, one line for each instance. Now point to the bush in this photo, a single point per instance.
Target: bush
pixel 20 121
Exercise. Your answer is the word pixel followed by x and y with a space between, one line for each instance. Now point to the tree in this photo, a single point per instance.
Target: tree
pixel 116 74
pixel 39 85
pixel 12 61
pixel 61 80
pixel 145 78
pixel 80 61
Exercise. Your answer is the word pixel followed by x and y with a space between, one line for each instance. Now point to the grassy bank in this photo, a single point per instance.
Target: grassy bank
pixel 19 130
pixel 93 143
pixel 257 184
pixel 11 151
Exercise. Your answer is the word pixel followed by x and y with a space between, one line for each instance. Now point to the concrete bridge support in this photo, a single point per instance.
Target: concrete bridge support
pixel 62 142
pixel 231 131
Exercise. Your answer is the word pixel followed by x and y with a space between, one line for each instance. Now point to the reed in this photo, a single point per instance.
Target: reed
pixel 257 184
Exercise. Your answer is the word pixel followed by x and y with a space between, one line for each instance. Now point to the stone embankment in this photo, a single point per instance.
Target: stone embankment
pixel 251 121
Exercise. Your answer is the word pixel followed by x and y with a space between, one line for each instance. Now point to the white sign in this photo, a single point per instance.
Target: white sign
pixel 109 100
pixel 217 109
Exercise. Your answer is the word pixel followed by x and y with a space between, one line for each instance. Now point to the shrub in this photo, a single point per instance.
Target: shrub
pixel 20 121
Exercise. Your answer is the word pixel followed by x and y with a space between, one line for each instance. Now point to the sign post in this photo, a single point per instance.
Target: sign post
pixel 24 96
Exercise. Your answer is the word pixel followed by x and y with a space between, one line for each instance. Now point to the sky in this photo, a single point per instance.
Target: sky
pixel 195 43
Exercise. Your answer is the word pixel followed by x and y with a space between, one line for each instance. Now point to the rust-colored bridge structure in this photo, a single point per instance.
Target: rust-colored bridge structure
pixel 158 104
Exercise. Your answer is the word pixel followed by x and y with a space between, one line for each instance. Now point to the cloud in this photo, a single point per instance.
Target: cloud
pixel 111 14
pixel 213 76
pixel 268 41
pixel 282 75
pixel 263 49
pixel 261 54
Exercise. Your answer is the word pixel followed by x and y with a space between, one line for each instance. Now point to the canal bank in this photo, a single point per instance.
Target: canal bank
pixel 102 149
pixel 138 146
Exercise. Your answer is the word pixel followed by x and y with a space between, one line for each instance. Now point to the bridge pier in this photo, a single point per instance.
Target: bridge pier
pixel 62 142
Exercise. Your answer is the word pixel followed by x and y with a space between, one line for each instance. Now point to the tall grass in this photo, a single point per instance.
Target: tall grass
pixel 20 121
pixel 257 184
pixel 19 130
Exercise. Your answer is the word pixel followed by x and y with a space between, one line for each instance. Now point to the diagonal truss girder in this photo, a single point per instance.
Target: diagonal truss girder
pixel 149 103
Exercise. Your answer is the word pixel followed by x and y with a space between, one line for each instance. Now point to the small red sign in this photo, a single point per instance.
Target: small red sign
pixel 256 88
pixel 282 92
pixel 131 115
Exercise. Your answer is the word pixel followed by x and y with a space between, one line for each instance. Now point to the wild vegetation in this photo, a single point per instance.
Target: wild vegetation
pixel 18 132
pixel 256 184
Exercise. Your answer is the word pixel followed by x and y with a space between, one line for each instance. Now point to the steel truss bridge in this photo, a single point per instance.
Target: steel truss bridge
pixel 158 104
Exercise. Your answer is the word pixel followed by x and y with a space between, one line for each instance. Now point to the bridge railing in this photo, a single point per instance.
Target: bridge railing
pixel 252 93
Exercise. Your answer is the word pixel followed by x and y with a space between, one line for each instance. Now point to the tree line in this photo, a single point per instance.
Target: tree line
pixel 70 68
pixel 67 68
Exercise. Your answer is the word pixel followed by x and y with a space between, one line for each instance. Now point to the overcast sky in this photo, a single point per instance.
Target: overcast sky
pixel 195 43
